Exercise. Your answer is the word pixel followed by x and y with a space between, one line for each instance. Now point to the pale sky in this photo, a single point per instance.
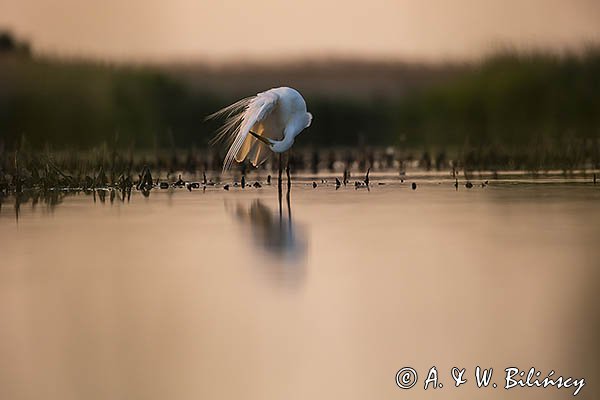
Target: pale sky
pixel 268 29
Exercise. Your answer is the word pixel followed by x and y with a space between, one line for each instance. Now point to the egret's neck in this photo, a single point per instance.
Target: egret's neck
pixel 288 141
pixel 289 134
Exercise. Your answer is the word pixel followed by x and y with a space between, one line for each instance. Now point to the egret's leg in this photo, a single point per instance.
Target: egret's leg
pixel 287 171
pixel 289 207
pixel 280 170
pixel 279 183
pixel 289 185
pixel 280 208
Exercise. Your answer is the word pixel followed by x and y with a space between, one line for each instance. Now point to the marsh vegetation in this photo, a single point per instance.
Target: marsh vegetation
pixel 526 108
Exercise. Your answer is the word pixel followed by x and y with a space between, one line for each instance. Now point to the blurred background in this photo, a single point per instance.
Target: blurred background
pixel 495 76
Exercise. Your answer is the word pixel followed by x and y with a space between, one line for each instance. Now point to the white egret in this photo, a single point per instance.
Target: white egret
pixel 269 121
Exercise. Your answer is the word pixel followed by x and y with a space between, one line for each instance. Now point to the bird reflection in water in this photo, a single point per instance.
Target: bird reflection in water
pixel 276 235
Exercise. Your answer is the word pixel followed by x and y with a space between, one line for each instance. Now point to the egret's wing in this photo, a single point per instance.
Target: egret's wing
pixel 258 154
pixel 242 117
pixel 271 128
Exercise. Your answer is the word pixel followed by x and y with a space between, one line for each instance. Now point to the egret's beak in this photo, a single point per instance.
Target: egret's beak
pixel 262 139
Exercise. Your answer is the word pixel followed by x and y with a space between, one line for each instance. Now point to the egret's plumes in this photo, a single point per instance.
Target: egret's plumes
pixel 233 115
pixel 271 119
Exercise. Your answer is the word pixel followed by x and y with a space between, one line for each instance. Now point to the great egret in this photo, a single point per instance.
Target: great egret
pixel 270 120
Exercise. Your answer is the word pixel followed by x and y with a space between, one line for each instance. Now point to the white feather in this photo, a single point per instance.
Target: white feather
pixel 270 114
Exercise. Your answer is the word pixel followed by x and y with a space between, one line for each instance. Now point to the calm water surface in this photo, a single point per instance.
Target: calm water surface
pixel 218 295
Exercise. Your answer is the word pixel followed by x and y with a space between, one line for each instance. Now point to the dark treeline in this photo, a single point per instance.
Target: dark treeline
pixel 510 99
pixel 68 104
pixel 542 101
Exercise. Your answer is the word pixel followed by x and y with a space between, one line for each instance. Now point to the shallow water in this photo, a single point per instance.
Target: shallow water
pixel 216 294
